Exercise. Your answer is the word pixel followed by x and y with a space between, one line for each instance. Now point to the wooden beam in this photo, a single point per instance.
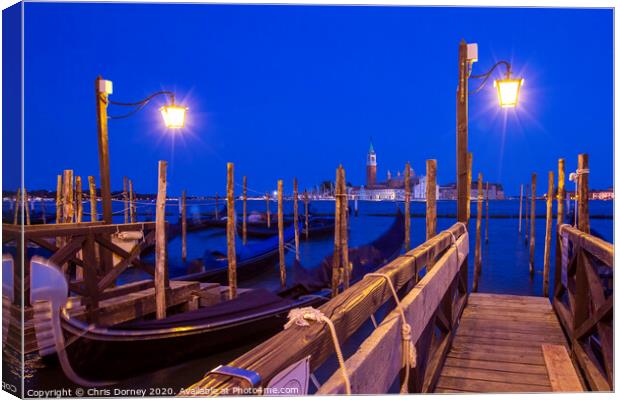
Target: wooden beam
pixel 562 374
pixel 93 198
pixel 161 261
pixel 230 230
pixel 461 134
pixel 547 260
pixel 583 173
pixel 431 198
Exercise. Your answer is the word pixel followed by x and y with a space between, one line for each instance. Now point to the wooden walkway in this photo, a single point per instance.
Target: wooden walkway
pixel 498 347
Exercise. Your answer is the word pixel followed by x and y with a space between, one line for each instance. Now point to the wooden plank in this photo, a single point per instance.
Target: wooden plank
pixel 509 297
pixel 532 343
pixel 562 374
pixel 509 335
pixel 460 345
pixel 504 357
pixel 383 346
pixel 496 376
pixel 484 386
pixel 452 361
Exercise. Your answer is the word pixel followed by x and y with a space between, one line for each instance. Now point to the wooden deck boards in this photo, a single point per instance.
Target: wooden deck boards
pixel 498 346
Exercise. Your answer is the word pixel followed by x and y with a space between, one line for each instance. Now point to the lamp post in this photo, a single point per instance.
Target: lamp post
pixel 172 114
pixel 508 94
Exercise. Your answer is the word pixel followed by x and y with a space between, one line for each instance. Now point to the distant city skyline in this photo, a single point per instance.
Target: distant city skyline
pixel 294 91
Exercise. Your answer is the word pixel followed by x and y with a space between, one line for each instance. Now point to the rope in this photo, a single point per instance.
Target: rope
pixel 583 171
pixel 303 317
pixel 409 351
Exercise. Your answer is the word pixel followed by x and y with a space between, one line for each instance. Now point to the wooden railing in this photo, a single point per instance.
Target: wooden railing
pixel 84 245
pixel 583 301
pixel 432 306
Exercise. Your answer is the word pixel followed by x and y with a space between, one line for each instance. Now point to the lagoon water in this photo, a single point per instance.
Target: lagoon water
pixel 504 264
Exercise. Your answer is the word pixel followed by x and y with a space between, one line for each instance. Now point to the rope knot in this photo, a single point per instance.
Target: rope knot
pixel 303 316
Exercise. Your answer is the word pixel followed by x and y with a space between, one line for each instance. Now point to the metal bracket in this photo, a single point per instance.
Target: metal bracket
pixel 251 377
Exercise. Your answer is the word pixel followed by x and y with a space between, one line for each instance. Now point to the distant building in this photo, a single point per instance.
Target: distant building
pixel 371 167
pixel 605 194
pixel 449 192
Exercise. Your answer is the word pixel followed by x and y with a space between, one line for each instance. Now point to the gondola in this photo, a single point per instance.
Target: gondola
pixel 89 353
pixel 261 230
pixel 251 259
pixel 319 226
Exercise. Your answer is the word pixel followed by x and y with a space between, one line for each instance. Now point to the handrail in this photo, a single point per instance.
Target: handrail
pixel 347 311
pixel 583 302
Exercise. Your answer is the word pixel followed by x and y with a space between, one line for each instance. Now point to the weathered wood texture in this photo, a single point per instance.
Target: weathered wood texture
pixel 478 249
pixel 561 193
pixel 79 208
pixel 161 244
pixel 562 374
pixel 58 199
pixel 26 203
pixel 360 301
pixel 497 347
pixel 230 231
pixel 104 155
pixel 125 201
pixel 583 301
pixel 337 258
pixel 18 202
pixel 93 198
pixel 434 305
pixel 461 135
pixel 548 226
pixel 431 198
pixel 344 230
pixel 583 172
pixel 281 255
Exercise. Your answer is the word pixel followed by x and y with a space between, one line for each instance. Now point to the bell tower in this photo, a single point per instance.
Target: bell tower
pixel 371 167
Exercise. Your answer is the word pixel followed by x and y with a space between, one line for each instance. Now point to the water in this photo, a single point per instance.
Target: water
pixel 505 263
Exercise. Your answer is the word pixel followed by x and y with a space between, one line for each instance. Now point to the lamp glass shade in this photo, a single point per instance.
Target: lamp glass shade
pixel 508 91
pixel 174 116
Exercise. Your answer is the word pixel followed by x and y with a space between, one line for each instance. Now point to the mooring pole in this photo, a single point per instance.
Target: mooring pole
pixel 407 207
pixel 336 259
pixel 160 243
pixel 461 136
pixel 79 209
pixel 296 218
pixel 230 231
pixel 16 210
pixel 132 203
pixel 93 198
pixel 478 255
pixel 125 201
pixel 559 221
pixel 104 153
pixel 486 226
pixel 470 162
pixel 26 206
pixel 431 198
pixel 527 213
pixel 281 235
pixel 344 231
pixel 532 224
pixel 244 227
pixel 58 199
pixel 268 210
pixel 183 226
pixel 520 207
pixel 583 216
pixel 547 261
pixel 67 194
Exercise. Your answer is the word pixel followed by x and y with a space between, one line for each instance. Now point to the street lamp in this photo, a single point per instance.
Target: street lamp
pixel 508 90
pixel 172 114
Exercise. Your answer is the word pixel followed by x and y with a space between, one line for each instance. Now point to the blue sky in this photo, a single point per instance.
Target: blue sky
pixel 293 91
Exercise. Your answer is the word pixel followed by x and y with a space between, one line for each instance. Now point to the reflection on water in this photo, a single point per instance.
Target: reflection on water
pixel 504 270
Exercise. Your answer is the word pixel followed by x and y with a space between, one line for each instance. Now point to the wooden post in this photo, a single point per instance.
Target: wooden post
pixel 547 261
pixel 161 267
pixel 17 205
pixel 93 198
pixel 306 211
pixel 486 226
pixel 470 161
pixel 461 136
pixel 559 221
pixel 268 210
pixel 245 211
pixel 532 224
pixel 527 213
pixel 520 207
pixel 431 198
pixel 407 207
pixel 67 195
pixel 478 255
pixel 344 231
pixel 230 231
pixel 337 241
pixel 296 218
pixel 281 235
pixel 104 154
pixel 125 201
pixel 184 226
pixel 583 214
pixel 26 206
pixel 58 199
pixel 217 205
pixel 79 209
pixel 132 203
